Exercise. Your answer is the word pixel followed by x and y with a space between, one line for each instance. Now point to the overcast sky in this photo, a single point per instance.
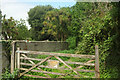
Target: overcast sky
pixel 18 8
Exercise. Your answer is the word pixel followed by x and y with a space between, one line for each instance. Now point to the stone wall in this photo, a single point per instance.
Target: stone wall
pixel 45 46
pixel 4 61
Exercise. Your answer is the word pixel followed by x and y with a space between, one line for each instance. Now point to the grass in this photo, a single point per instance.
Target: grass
pixel 70 72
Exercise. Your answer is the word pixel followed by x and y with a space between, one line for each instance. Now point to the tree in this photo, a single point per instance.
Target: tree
pixel 80 13
pixel 99 25
pixel 14 30
pixel 8 28
pixel 23 32
pixel 36 18
pixel 56 23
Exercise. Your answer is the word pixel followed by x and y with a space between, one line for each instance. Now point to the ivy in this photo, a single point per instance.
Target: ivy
pixel 98 25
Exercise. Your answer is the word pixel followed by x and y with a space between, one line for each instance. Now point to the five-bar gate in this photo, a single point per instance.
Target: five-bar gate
pixel 58 64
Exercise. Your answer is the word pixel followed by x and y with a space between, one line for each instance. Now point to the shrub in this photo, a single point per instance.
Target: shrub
pixel 72 42
pixel 7 74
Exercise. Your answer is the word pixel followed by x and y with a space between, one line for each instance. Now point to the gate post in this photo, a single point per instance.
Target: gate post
pixel 18 58
pixel 12 56
pixel 97 73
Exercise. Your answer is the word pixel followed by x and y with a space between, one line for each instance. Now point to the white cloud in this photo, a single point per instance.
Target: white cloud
pixel 15 10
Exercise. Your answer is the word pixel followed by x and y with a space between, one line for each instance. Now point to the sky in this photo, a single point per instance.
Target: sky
pixel 18 8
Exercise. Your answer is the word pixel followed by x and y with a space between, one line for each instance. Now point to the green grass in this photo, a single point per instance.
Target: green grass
pixel 70 72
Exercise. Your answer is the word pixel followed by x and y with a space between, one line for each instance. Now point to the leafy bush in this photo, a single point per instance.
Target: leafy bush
pixel 102 30
pixel 72 42
pixel 7 74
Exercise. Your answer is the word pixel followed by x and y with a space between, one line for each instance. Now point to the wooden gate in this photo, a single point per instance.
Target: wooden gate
pixel 55 65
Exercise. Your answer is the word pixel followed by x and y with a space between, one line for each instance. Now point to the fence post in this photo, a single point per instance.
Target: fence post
pixel 97 74
pixel 18 58
pixel 12 56
pixel 1 60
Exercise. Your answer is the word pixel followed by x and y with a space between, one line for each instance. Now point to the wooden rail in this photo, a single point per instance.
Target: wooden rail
pixel 56 54
pixel 61 68
pixel 80 63
pixel 43 71
pixel 35 76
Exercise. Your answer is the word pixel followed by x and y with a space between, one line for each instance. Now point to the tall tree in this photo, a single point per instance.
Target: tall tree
pixel 80 13
pixel 8 28
pixel 99 25
pixel 23 32
pixel 13 29
pixel 36 18
pixel 56 23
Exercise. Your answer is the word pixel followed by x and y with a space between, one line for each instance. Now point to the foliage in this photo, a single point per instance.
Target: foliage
pixel 36 18
pixel 8 75
pixel 78 18
pixel 56 23
pixel 6 48
pixel 94 28
pixel 23 32
pixel 83 26
pixel 99 26
pixel 8 28
pixel 14 30
pixel 71 42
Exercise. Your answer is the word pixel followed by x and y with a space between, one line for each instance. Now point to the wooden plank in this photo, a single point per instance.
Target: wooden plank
pixel 35 76
pixel 35 65
pixel 18 59
pixel 15 60
pixel 97 73
pixel 46 72
pixel 57 54
pixel 86 63
pixel 28 59
pixel 12 56
pixel 66 64
pixel 82 76
pixel 80 63
pixel 61 68
pixel 51 67
pixel 27 64
pixel 83 70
